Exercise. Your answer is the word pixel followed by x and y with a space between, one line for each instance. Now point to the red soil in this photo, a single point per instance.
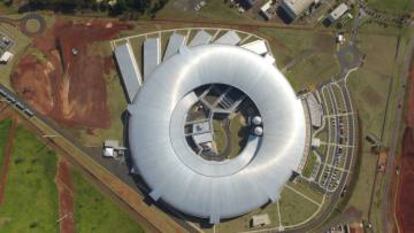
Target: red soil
pixel 405 200
pixel 65 189
pixel 69 88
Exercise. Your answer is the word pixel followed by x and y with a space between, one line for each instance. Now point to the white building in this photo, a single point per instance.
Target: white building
pixel 295 8
pixel 260 220
pixel 6 57
pixel 338 12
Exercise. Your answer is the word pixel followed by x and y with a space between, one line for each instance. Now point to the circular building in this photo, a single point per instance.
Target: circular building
pixel 175 143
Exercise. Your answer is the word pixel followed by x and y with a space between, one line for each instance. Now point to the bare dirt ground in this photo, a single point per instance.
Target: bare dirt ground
pixel 7 157
pixel 67 87
pixel 65 189
pixel 405 200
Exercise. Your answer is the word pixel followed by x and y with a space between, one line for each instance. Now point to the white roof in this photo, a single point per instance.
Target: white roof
pixel 6 56
pixel 130 73
pixel 339 11
pixel 257 46
pixel 269 58
pixel 297 6
pixel 266 6
pixel 203 138
pixel 109 152
pixel 229 38
pixel 215 189
pixel 262 219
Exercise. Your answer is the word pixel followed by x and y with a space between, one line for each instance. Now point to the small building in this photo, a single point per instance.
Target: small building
pixel 202 135
pixel 316 142
pixel 247 4
pixel 340 38
pixel 6 57
pixel 295 8
pixel 260 220
pixel 266 10
pixel 112 149
pixel 338 12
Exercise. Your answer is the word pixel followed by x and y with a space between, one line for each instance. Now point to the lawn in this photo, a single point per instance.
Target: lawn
pixel 95 212
pixel 395 6
pixel 309 166
pixel 305 57
pixel 294 208
pixel 304 187
pixel 31 203
pixel 214 10
pixel 238 135
pixel 242 224
pixel 370 87
pixel 4 129
pixel 220 137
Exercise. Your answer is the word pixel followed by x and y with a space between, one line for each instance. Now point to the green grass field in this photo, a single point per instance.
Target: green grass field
pixel 95 212
pixel 220 137
pixel 214 10
pixel 4 130
pixel 370 87
pixel 242 224
pixel 310 164
pixel 308 57
pixel 237 135
pixel 294 208
pixel 31 203
pixel 396 6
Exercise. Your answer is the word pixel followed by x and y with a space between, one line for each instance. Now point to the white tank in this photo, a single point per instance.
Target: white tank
pixel 258 131
pixel 257 120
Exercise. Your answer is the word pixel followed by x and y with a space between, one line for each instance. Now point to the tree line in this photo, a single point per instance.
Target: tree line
pixel 113 7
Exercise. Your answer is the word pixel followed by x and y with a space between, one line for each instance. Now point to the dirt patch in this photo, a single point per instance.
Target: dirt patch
pixel 66 207
pixel 68 83
pixel 405 200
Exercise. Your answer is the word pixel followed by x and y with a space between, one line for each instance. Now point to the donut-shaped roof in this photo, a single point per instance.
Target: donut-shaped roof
pixel 215 189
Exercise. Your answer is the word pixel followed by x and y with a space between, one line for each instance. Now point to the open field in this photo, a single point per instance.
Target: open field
pixel 30 185
pixel 300 53
pixel 304 187
pixel 4 129
pixel 237 131
pixel 395 6
pixel 242 223
pixel 373 89
pixel 214 10
pixel 310 164
pixel 294 208
pixel 95 212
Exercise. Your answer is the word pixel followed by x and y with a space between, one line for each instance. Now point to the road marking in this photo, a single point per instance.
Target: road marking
pixel 340 114
pixel 334 144
pixel 279 215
